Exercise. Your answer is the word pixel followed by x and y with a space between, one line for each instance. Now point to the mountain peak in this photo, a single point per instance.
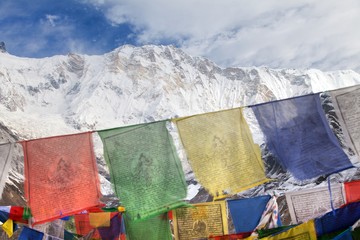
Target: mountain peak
pixel 2 47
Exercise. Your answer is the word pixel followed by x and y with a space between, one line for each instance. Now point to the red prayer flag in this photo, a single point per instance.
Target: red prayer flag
pixel 61 176
pixel 352 191
pixel 231 236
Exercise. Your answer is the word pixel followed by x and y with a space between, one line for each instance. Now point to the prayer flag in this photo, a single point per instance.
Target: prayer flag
pixel 231 236
pixel 154 228
pixel 221 151
pixel 246 212
pixel 83 227
pixel 200 221
pixel 297 131
pixel 338 219
pixel 143 162
pixel 61 176
pixel 8 227
pixel 20 214
pixel 114 230
pixel 6 151
pixel 272 231
pixel 345 235
pixel 346 104
pixel 352 191
pixel 304 231
pixel 311 203
pixel 99 219
pixel 30 234
pixel 270 218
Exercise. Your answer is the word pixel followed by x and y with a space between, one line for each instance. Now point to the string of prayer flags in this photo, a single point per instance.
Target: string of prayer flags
pixel 6 151
pixel 246 212
pixel 221 151
pixel 338 219
pixel 200 221
pixel 154 228
pixel 304 231
pixel 298 133
pixel 143 162
pixel 270 217
pixel 346 104
pixel 311 203
pixel 30 234
pixel 352 191
pixel 61 168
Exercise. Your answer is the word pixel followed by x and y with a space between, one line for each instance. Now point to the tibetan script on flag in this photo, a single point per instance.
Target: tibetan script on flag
pixel 6 151
pixel 297 131
pixel 308 204
pixel 200 221
pixel 145 169
pixel 61 176
pixel 346 104
pixel 221 151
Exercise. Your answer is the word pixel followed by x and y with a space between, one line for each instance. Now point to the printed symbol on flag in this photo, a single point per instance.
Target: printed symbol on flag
pixel 143 169
pixel 199 228
pixel 61 176
pixel 221 151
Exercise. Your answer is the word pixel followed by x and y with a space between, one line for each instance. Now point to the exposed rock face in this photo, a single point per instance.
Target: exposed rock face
pixel 2 47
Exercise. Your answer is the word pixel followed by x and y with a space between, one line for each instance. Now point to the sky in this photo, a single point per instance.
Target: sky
pixel 322 34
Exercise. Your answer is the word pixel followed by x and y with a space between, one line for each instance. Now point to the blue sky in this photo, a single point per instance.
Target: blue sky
pixel 276 33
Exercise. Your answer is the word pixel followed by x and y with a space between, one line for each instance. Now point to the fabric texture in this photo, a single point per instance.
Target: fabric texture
pixel 83 227
pixel 298 133
pixel 200 221
pixel 246 213
pixel 352 191
pixel 345 235
pixel 6 152
pixel 154 228
pixel 143 162
pixel 339 219
pixel 100 219
pixel 270 218
pixel 61 168
pixel 231 236
pixel 272 231
pixel 346 103
pixel 8 227
pixel 304 231
pixel 30 234
pixel 221 151
pixel 114 230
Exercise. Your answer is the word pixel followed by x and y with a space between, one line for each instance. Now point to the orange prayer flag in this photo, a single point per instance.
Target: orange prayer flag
pixel 352 191
pixel 61 176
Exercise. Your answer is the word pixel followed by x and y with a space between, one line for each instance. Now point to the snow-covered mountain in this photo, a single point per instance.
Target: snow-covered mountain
pixel 130 85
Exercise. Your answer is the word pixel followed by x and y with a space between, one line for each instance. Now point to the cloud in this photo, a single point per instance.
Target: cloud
pixel 275 33
pixel 52 19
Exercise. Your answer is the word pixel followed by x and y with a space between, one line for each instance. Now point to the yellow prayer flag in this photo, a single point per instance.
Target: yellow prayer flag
pixel 200 221
pixel 221 151
pixel 305 231
pixel 99 219
pixel 8 227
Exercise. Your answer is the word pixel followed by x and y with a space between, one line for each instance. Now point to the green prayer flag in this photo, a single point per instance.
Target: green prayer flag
pixel 154 228
pixel 145 169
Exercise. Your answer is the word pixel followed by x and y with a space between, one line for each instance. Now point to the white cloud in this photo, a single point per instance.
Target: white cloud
pixel 277 33
pixel 52 19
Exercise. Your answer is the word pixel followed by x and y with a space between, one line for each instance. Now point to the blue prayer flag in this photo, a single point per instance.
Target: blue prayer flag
pixel 246 213
pixel 298 133
pixel 30 234
pixel 338 219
